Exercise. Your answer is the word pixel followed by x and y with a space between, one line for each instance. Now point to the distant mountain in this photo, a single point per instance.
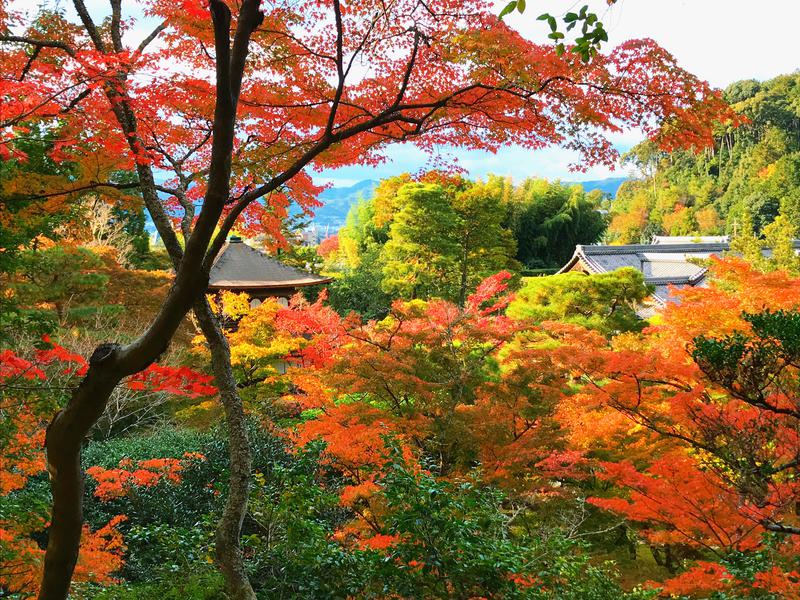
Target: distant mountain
pixel 337 202
pixel 609 186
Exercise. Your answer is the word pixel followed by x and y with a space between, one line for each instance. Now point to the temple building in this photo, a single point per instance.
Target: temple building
pixel 242 268
pixel 668 263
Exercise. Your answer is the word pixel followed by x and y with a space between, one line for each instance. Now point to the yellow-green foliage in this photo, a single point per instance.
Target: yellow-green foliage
pixel 606 302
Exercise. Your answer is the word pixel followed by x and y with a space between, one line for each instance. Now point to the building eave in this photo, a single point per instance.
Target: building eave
pixel 246 285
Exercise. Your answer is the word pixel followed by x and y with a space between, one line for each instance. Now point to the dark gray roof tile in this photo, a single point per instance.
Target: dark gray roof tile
pixel 240 266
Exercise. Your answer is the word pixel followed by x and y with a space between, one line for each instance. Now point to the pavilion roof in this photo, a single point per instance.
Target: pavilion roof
pixel 665 265
pixel 241 267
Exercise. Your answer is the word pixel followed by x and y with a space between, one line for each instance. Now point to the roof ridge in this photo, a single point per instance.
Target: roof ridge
pixel 653 248
pixel 657 248
pixel 668 279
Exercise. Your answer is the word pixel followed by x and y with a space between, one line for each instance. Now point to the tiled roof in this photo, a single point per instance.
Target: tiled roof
pixel 240 266
pixel 663 265
pixel 690 239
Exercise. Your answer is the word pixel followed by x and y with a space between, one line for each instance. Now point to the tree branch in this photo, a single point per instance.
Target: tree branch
pixel 116 25
pixel 149 39
pixel 89 26
pixel 39 43
pixel 337 11
pixel 83 188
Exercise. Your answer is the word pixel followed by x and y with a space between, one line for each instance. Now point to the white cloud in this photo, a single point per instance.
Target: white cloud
pixel 721 41
pixel 338 182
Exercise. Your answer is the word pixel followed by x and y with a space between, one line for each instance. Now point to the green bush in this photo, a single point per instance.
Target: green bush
pixel 169 527
pixel 460 543
pixel 206 584
pixel 455 541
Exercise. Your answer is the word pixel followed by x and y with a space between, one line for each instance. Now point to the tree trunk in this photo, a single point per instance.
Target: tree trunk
pixel 462 290
pixel 110 363
pixel 63 440
pixel 669 560
pixel 228 550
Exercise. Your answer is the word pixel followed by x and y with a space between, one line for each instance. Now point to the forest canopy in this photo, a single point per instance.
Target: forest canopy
pixel 446 418
pixel 752 171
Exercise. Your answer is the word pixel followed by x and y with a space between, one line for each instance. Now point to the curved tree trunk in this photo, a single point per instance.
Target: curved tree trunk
pixel 63 440
pixel 108 365
pixel 228 550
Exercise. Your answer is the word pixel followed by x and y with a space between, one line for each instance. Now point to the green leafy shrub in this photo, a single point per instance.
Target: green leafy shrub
pixel 206 584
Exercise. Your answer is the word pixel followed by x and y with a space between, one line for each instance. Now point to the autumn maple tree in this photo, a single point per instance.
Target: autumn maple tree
pixel 30 388
pixel 235 103
pixel 452 387
pixel 694 423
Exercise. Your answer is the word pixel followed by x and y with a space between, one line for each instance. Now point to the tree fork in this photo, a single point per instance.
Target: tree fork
pixel 110 363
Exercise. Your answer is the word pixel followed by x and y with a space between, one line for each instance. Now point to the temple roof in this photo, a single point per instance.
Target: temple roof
pixel 241 267
pixel 690 239
pixel 664 265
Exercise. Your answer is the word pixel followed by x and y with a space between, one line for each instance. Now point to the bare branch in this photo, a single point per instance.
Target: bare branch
pixel 149 39
pixel 116 25
pixel 17 39
pixel 84 188
pixel 28 64
pixel 337 11
pixel 89 25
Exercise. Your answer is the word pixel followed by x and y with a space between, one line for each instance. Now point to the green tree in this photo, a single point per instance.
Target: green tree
pixel 753 166
pixel 359 289
pixel 779 237
pixel 485 247
pixel 549 219
pixel 606 302
pixel 422 251
pixel 64 276
pixel 744 241
pixel 774 251
pixel 445 238
pixel 22 221
pixel 362 232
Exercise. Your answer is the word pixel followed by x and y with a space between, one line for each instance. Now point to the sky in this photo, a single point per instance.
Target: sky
pixel 721 41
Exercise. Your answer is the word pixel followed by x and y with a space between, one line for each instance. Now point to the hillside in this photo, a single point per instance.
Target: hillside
pixel 337 202
pixel 751 172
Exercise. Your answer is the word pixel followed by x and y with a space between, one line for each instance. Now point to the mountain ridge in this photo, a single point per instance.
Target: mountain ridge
pixel 338 200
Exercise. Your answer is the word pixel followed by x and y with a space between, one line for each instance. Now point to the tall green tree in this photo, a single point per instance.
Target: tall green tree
pixel 779 237
pixel 549 219
pixel 422 252
pixel 22 221
pixel 772 251
pixel 445 238
pixel 485 246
